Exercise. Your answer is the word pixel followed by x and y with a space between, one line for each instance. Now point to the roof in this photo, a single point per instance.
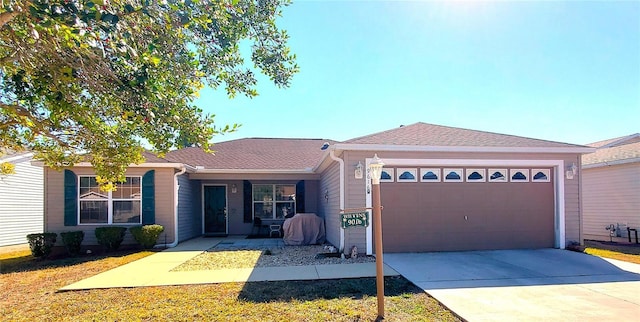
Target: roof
pixel 624 149
pixel 255 153
pixel 423 134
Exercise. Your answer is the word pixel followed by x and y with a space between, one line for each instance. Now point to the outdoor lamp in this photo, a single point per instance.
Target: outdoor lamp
pixel 375 169
pixel 358 171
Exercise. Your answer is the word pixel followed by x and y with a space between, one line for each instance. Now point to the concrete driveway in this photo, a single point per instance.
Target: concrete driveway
pixel 525 285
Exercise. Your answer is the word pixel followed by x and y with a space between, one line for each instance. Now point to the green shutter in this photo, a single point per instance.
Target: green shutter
pixel 70 198
pixel 300 197
pixel 148 198
pixel 248 202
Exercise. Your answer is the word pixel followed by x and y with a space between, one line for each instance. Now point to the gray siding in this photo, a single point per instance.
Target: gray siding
pixel 329 208
pixel 611 196
pixel 21 203
pixel 189 217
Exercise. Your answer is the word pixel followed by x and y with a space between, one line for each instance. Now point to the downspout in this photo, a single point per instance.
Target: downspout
pixel 175 210
pixel 341 162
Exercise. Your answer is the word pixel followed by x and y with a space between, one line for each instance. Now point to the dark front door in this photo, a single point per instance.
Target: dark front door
pixel 215 210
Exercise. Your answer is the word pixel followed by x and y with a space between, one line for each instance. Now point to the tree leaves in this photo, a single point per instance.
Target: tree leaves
pixel 91 80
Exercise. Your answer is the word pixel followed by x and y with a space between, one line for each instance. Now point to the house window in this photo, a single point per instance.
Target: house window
pixel 387 175
pixel 273 201
pixel 117 207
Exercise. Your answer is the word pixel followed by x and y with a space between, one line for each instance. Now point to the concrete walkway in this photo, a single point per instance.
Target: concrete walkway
pixel 526 285
pixel 155 270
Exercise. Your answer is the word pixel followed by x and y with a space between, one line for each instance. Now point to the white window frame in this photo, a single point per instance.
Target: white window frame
pixel 109 201
pixel 469 171
pixel 273 199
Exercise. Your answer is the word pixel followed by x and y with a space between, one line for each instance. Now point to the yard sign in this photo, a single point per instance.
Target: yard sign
pixel 355 219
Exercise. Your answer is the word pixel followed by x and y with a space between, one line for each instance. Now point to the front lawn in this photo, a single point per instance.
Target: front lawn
pixel 29 293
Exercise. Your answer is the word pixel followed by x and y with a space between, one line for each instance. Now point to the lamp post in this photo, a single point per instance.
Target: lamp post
pixel 375 170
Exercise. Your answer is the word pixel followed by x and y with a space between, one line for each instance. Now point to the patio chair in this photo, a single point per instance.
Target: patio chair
pixel 257 226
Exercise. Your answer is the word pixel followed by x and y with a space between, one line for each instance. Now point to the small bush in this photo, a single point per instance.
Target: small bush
pixel 110 237
pixel 72 241
pixel 146 235
pixel 41 244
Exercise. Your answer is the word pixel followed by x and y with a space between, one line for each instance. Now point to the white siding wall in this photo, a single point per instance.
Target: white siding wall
pixel 611 196
pixel 21 203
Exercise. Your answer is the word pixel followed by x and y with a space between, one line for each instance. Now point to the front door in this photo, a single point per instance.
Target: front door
pixel 215 210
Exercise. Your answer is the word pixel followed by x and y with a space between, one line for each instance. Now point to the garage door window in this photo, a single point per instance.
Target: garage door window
pixel 475 175
pixel 541 175
pixel 497 175
pixel 407 175
pixel 519 175
pixel 430 175
pixel 387 175
pixel 453 175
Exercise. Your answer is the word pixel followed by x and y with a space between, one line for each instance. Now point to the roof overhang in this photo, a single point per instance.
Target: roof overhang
pixel 141 165
pixel 610 163
pixel 253 171
pixel 477 149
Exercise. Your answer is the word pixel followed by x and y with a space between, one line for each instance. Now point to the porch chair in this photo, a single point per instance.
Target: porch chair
pixel 257 226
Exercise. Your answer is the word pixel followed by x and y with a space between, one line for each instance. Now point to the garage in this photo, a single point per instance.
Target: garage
pixel 467 208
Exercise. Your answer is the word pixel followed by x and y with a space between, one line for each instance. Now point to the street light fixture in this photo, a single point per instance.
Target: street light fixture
pixel 375 171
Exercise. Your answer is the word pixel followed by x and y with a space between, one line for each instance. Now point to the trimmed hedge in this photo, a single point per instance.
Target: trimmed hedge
pixel 72 241
pixel 41 244
pixel 110 237
pixel 146 235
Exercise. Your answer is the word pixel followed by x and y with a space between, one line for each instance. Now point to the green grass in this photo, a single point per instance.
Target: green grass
pixel 29 293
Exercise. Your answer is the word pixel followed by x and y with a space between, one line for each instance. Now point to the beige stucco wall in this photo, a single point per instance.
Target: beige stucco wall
pixel 611 196
pixel 54 204
pixel 355 189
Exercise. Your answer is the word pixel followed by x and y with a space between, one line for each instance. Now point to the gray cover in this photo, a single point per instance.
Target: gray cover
pixel 303 229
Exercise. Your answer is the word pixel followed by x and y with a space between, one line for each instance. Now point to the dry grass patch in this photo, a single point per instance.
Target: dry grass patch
pixel 221 257
pixel 624 252
pixel 29 294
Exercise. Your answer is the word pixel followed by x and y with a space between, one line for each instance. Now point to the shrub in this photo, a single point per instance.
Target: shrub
pixel 72 241
pixel 41 244
pixel 146 235
pixel 110 237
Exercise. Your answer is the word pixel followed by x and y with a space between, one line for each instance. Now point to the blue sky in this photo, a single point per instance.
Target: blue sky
pixel 561 71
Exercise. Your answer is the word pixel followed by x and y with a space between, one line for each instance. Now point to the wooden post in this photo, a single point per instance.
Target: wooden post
pixel 377 225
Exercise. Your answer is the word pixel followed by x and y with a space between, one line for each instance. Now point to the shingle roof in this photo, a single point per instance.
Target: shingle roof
pixel 437 135
pixel 149 157
pixel 255 153
pixel 614 150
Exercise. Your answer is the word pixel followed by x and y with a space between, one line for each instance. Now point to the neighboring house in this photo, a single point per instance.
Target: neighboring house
pixel 21 200
pixel 443 189
pixel 611 188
